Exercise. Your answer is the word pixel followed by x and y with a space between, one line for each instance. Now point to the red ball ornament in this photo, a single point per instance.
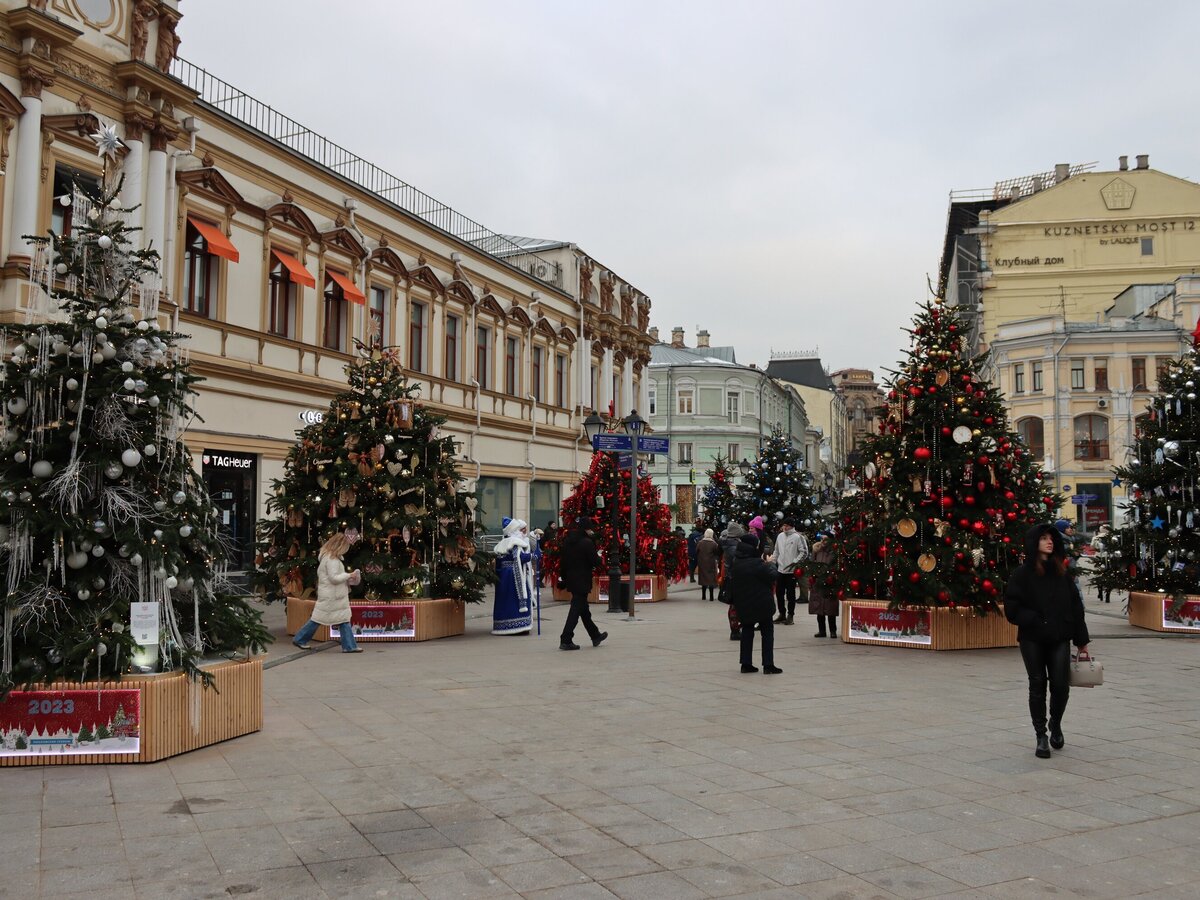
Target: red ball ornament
pixel 922 454
pixel 982 460
pixel 943 596
pixel 1011 516
pixel 988 586
pixel 914 392
pixel 969 500
pixel 947 431
pixel 914 577
pixel 854 585
pixel 964 523
pixel 1049 501
pixel 947 502
pixel 1009 495
pixel 932 389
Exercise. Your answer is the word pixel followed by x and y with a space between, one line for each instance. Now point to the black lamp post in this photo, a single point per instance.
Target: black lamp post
pixel 634 425
pixel 745 466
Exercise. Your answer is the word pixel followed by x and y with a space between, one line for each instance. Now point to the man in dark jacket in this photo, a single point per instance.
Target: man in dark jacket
pixel 579 560
pixel 692 540
pixel 729 541
pixel 754 598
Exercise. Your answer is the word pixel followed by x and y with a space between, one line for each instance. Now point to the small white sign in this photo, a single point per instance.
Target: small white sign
pixel 143 623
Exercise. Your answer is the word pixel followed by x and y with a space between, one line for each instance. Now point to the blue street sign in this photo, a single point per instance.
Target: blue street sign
pixel 624 460
pixel 646 444
pixel 608 442
pixel 1084 499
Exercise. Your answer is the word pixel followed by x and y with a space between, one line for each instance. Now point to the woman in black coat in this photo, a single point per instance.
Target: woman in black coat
pixel 1042 599
pixel 753 591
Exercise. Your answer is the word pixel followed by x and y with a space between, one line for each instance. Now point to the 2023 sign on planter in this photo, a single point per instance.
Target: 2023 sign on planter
pixel 74 723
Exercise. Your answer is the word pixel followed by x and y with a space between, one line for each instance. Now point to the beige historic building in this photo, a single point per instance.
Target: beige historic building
pixel 826 443
pixel 862 397
pixel 1077 285
pixel 280 250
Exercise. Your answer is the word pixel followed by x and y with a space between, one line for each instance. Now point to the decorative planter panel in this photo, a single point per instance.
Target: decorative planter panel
pixel 141 718
pixel 937 628
pixel 650 589
pixel 1153 611
pixel 395 620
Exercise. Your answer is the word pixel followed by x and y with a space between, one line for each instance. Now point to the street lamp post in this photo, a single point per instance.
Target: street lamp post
pixel 634 425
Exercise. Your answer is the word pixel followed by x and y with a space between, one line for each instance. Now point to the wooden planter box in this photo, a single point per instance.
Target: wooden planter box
pixel 1151 611
pixel 658 590
pixel 164 723
pixel 871 622
pixel 417 620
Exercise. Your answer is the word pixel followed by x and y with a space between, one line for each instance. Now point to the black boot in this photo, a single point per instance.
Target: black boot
pixel 833 626
pixel 1043 747
pixel 1057 741
pixel 820 627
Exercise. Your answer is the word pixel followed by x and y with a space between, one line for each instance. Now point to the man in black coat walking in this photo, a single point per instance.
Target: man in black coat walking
pixel 579 560
pixel 754 598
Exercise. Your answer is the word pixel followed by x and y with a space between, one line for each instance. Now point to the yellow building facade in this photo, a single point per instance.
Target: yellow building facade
pixel 1077 286
pixel 280 250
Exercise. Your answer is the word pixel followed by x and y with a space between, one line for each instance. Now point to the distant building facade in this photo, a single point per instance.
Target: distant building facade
pixel 863 398
pixel 709 406
pixel 826 445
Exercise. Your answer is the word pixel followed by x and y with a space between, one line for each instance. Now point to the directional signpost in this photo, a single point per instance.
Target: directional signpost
pixel 608 442
pixel 1084 499
pixel 646 444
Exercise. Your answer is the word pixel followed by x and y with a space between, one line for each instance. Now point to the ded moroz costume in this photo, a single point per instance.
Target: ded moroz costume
pixel 515 590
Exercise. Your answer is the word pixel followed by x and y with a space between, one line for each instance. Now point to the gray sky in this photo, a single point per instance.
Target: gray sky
pixel 775 172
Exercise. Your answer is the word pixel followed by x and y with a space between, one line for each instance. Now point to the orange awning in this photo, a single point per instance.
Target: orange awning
pixel 218 244
pixel 296 270
pixel 353 294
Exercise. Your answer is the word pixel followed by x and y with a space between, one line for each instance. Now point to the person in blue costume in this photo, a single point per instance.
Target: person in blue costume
pixel 516 565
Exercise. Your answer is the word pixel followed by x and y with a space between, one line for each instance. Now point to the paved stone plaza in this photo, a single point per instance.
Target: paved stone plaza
pixel 650 767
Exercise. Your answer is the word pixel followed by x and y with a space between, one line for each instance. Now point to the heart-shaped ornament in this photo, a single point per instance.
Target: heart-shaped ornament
pixel 394 468
pixel 472 503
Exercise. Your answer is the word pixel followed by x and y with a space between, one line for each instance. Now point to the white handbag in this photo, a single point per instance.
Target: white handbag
pixel 1086 671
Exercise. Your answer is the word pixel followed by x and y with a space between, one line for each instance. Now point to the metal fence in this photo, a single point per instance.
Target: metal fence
pixel 236 104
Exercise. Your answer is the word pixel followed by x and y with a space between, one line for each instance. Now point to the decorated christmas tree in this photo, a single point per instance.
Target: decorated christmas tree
pixel 778 486
pixel 659 549
pixel 1158 547
pixel 719 499
pixel 378 466
pixel 100 503
pixel 947 492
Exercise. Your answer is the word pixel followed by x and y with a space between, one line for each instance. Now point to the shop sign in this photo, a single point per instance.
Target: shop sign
pixel 311 416
pixel 895 626
pixel 1185 618
pixel 71 723
pixel 219 459
pixel 380 620
pixel 643 588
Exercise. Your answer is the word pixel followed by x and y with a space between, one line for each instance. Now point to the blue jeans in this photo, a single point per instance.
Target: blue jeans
pixel 345 632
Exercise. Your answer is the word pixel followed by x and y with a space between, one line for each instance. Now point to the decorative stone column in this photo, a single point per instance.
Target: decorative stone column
pixel 26 175
pixel 604 390
pixel 155 225
pixel 132 186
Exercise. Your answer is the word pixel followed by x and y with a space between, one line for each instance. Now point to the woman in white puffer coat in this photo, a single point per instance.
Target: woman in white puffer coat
pixel 333 596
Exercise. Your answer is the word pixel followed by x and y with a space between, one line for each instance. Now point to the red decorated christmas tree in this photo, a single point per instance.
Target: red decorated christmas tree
pixel 719 499
pixel 660 551
pixel 947 491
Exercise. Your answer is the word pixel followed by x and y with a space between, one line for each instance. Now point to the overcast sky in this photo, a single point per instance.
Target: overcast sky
pixel 775 172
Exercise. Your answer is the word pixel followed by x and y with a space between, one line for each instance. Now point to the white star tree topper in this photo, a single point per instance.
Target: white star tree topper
pixel 107 142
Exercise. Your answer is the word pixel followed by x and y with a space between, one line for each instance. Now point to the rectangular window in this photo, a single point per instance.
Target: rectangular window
pixel 200 270
pixel 1036 377
pixel 685 453
pixel 1138 364
pixel 732 404
pixel 732 453
pixel 1101 373
pixel 416 337
pixel 282 315
pixel 1147 246
pixel 652 400
pixel 377 322
pixel 1162 367
pixel 1077 374
pixel 560 379
pixel 495 503
pixel 511 355
pixel 685 401
pixel 544 497
pixel 333 334
pixel 482 338
pixel 1019 378
pixel 66 180
pixel 452 326
pixel 535 373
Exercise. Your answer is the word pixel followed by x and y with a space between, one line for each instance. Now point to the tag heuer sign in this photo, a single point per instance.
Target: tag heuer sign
pixel 221 460
pixel 311 416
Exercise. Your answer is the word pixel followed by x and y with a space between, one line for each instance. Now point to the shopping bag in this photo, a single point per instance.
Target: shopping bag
pixel 1086 671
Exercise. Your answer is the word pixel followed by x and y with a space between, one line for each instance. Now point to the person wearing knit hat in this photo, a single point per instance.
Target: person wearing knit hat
pixel 708 559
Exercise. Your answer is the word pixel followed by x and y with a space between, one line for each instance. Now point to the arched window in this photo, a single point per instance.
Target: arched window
pixel 1091 437
pixel 1033 434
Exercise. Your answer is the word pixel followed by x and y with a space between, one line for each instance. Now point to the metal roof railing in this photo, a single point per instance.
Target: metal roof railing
pixel 236 104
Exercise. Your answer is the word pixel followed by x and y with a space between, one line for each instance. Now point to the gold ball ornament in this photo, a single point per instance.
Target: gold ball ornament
pixel 456 582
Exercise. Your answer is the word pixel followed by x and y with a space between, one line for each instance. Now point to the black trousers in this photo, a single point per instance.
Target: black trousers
pixel 1047 664
pixel 785 594
pixel 580 611
pixel 767 628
